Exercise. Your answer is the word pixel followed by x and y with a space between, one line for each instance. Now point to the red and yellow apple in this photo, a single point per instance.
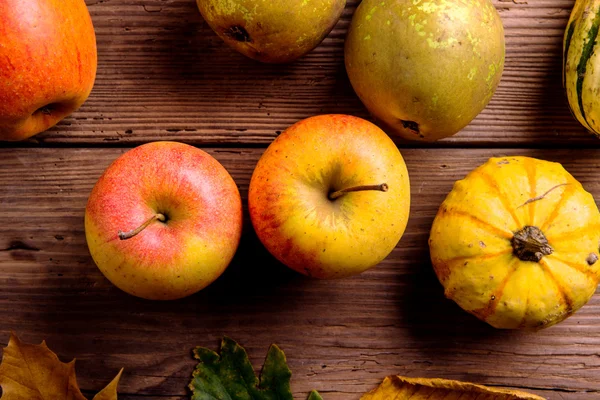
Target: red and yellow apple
pixel 330 197
pixel 163 221
pixel 47 63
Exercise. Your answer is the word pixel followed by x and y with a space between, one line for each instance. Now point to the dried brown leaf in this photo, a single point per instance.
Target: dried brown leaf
pixel 34 372
pixel 399 387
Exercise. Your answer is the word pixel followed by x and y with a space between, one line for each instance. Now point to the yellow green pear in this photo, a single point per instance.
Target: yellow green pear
pixel 272 31
pixel 425 68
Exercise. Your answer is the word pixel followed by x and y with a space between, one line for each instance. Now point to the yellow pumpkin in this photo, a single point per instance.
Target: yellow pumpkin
pixel 515 243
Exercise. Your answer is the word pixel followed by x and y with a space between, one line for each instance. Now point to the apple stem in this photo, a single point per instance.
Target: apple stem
pixel 132 233
pixel 382 188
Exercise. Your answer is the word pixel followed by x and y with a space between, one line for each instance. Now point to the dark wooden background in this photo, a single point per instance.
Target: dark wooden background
pixel 164 75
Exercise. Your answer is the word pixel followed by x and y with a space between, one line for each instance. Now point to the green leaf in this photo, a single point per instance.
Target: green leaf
pixel 314 395
pixel 230 376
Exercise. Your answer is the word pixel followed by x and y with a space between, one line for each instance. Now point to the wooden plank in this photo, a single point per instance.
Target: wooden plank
pixel 548 394
pixel 163 74
pixel 544 393
pixel 341 337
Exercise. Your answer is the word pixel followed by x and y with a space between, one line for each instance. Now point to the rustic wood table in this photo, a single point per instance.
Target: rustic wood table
pixel 164 75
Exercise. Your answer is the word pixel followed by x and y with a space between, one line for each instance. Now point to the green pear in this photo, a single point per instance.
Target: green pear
pixel 272 31
pixel 425 68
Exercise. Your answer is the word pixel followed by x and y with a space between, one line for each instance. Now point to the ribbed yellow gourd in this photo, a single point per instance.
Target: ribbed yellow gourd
pixel 515 243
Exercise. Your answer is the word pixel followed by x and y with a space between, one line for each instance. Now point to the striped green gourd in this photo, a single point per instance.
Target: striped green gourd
pixel 581 63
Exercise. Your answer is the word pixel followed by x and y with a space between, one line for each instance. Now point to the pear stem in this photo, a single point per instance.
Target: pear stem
pixel 382 188
pixel 132 233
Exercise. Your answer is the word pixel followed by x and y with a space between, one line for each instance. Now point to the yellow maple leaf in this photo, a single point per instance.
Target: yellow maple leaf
pixel 400 387
pixel 34 372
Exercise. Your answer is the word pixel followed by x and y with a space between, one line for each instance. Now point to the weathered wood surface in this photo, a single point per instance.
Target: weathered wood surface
pixel 341 337
pixel 163 74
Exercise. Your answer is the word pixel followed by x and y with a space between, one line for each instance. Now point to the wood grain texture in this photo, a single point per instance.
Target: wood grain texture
pixel 163 74
pixel 341 337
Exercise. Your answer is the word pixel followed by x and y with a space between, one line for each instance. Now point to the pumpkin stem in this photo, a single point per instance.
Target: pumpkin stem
pixel 530 244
